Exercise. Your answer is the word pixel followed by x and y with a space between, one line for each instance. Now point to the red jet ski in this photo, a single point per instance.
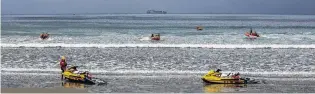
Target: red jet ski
pixel 251 34
pixel 44 36
pixel 155 37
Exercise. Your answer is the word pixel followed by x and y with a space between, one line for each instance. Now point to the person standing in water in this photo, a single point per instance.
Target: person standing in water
pixel 63 65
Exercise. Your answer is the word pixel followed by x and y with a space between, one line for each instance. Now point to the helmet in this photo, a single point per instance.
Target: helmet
pixel 218 70
pixel 63 57
pixel 237 73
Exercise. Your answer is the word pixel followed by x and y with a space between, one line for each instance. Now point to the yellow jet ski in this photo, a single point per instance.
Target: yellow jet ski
pixel 208 78
pixel 82 77
pixel 222 80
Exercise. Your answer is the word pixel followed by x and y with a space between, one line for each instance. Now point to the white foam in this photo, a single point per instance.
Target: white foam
pixel 161 45
pixel 110 76
pixel 287 79
pixel 154 71
pixel 28 74
pixel 145 38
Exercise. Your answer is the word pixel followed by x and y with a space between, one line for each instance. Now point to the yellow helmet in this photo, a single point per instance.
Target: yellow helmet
pixel 63 57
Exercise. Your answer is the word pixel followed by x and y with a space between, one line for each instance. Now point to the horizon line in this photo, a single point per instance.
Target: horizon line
pixel 146 13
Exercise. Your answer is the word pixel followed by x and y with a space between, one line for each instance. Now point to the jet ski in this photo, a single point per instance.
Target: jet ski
pixel 155 37
pixel 252 35
pixel 227 80
pixel 44 36
pixel 72 75
pixel 199 28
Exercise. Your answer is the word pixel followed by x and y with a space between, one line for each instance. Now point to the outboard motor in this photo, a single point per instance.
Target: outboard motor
pixel 247 79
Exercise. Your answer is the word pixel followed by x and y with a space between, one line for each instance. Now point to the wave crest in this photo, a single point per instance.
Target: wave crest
pixel 159 45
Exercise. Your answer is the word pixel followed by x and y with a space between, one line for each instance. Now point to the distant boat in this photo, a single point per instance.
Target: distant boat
pixel 156 12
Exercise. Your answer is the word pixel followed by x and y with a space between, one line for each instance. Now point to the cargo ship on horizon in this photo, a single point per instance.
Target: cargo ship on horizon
pixel 156 12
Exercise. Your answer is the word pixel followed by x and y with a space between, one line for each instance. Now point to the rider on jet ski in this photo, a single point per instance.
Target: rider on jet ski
pixel 218 73
pixel 253 33
pixel 215 73
pixel 44 35
pixel 236 76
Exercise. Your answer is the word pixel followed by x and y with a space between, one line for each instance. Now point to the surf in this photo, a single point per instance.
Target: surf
pixel 30 70
pixel 223 46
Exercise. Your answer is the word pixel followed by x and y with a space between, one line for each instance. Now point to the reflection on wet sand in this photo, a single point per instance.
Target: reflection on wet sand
pixel 72 85
pixel 216 88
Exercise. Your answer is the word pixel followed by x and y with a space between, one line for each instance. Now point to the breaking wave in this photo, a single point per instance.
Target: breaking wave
pixel 160 45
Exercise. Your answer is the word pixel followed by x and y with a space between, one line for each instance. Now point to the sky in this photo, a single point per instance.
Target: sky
pixel 171 6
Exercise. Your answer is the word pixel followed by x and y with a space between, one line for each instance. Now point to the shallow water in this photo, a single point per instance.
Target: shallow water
pixel 159 84
pixel 162 59
pixel 115 47
pixel 174 28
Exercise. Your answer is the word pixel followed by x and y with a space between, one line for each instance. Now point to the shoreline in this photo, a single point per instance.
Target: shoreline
pixel 43 90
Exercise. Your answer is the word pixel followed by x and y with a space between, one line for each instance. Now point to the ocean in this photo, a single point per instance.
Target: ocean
pixel 116 48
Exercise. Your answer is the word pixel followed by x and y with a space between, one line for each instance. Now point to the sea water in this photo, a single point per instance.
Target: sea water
pixel 116 47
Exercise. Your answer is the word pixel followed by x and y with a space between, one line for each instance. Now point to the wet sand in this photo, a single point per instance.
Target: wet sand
pixel 50 83
pixel 43 90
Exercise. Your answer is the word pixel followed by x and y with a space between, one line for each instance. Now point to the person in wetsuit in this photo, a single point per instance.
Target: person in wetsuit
pixel 152 35
pixel 63 65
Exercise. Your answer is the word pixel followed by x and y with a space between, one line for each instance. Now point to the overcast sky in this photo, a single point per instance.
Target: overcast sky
pixel 171 6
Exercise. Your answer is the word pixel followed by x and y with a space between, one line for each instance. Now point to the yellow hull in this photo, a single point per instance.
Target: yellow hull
pixel 225 81
pixel 72 76
pixel 81 78
pixel 222 80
